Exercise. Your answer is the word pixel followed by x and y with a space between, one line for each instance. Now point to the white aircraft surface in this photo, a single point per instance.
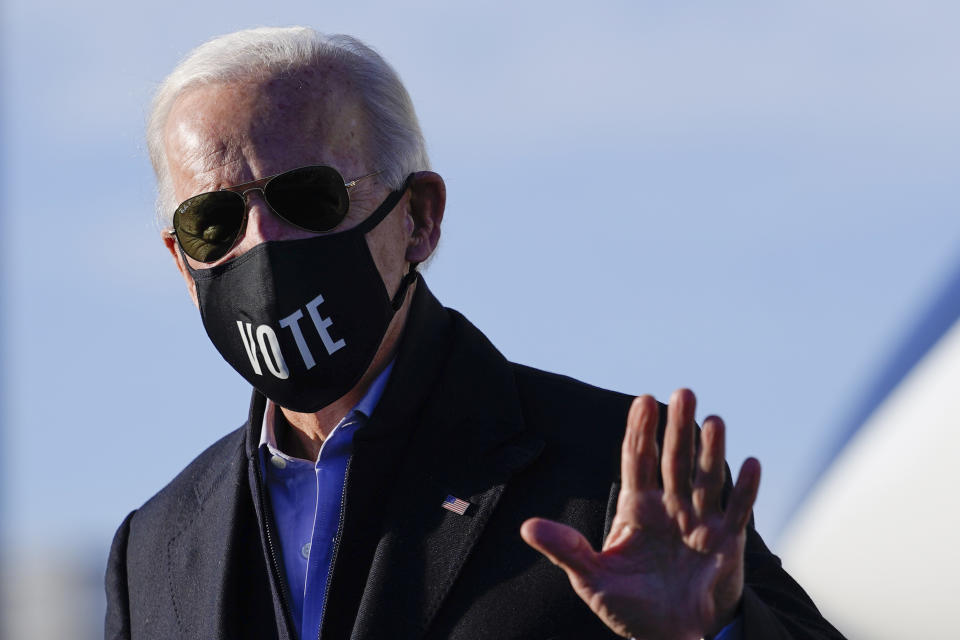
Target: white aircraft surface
pixel 876 543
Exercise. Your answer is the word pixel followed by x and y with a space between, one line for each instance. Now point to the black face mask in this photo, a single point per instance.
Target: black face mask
pixel 301 320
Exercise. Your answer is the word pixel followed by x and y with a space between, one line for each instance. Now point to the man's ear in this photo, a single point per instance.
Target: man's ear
pixel 171 244
pixel 428 196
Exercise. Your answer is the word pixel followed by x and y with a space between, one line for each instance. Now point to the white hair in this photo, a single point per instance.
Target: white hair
pixel 397 143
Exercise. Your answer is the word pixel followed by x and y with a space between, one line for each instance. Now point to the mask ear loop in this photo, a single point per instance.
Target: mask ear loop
pixel 401 293
pixel 381 212
pixel 373 220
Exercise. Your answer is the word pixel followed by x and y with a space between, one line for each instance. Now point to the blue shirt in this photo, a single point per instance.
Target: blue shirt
pixel 733 631
pixel 307 500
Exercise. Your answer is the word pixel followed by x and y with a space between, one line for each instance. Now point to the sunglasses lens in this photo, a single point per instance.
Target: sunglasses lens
pixel 313 198
pixel 207 225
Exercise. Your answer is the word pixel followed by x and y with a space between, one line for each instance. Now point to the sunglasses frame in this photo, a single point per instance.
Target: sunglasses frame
pixel 261 185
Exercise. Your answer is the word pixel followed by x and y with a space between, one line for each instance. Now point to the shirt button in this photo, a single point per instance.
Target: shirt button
pixel 278 462
pixel 305 551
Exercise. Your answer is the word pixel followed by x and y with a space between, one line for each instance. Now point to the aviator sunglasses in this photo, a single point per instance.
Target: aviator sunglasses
pixel 313 198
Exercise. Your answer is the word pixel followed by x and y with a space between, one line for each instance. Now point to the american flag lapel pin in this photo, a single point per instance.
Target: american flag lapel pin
pixel 458 506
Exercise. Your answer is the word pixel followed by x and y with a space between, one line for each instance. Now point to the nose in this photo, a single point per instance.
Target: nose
pixel 263 224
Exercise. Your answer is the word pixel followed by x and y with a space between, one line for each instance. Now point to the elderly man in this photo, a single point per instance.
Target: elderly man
pixel 393 462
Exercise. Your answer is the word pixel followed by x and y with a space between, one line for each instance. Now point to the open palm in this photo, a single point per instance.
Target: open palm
pixel 672 565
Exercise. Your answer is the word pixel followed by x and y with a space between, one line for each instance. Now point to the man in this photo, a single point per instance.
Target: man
pixel 393 462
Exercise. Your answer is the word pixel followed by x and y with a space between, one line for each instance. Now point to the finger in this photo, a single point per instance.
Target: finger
pixel 743 496
pixel 677 462
pixel 563 545
pixel 638 456
pixel 708 483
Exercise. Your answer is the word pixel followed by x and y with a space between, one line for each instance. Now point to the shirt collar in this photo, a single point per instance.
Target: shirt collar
pixel 367 404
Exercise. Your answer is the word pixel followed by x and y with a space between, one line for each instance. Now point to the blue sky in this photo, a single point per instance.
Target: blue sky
pixel 754 200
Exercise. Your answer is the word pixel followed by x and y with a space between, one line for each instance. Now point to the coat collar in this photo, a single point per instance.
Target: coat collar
pixel 452 418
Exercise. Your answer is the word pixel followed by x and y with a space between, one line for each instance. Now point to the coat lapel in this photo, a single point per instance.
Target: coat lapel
pixel 215 560
pixel 453 427
pixel 423 546
pixel 378 453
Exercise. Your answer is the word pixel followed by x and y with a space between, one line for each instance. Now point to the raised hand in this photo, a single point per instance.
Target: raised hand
pixel 672 565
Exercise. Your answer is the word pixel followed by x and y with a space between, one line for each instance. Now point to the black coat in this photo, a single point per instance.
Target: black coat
pixel 200 559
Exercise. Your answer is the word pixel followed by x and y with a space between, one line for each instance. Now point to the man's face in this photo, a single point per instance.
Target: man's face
pixel 227 134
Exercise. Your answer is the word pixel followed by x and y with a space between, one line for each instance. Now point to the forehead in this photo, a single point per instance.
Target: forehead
pixel 232 132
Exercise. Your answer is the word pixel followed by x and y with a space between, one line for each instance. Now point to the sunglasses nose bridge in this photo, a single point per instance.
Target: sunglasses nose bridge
pixel 261 221
pixel 251 203
pixel 243 194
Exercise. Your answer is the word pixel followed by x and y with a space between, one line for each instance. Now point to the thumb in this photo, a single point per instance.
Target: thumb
pixel 563 545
